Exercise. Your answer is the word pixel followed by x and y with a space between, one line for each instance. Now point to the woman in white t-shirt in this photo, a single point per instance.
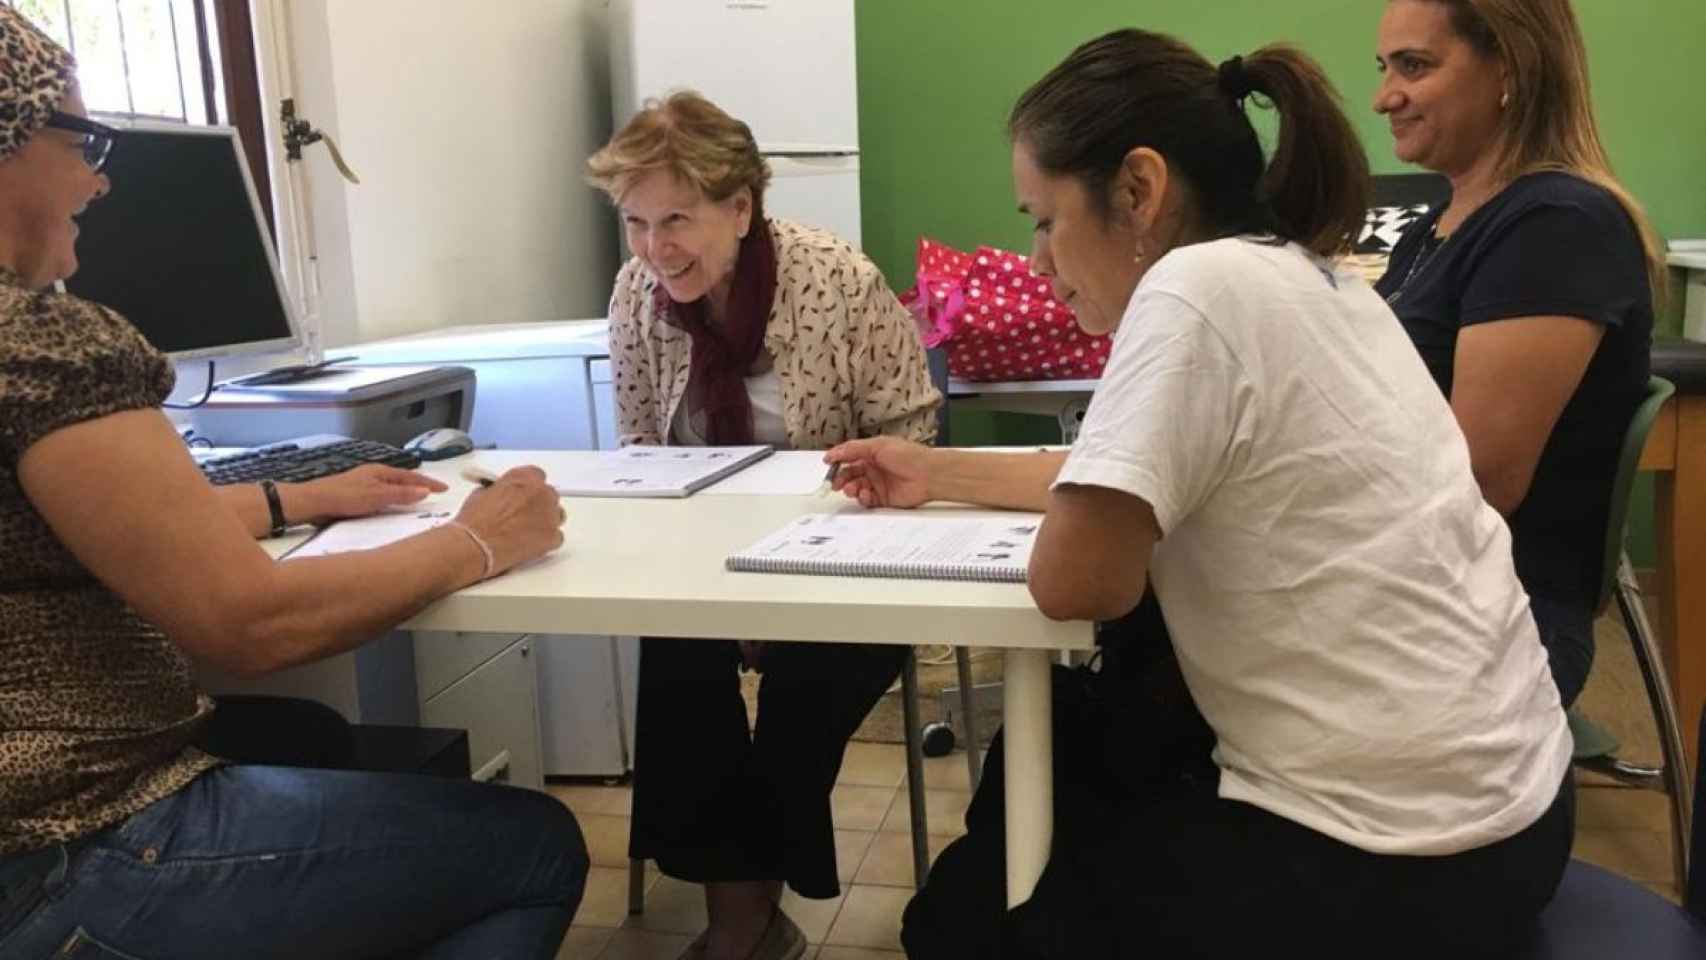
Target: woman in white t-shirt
pixel 1391 767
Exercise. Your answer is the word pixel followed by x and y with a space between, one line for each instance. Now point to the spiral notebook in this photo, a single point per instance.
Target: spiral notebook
pixel 914 546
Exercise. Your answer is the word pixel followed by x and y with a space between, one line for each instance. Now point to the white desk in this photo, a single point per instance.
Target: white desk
pixel 543 386
pixel 655 568
pixel 1691 260
pixel 1065 400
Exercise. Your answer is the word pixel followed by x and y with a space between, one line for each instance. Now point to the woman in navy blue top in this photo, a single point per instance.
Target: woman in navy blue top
pixel 1530 293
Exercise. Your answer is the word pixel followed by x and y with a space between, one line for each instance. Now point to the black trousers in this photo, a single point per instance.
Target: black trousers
pixel 1566 632
pixel 1150 862
pixel 715 801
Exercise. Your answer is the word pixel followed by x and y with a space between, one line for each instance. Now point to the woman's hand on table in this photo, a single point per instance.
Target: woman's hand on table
pixel 360 492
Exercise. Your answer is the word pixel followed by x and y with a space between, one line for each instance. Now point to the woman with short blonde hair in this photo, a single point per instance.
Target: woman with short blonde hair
pixel 728 327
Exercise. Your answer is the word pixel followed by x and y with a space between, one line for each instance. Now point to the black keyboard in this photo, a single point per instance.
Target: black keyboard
pixel 294 462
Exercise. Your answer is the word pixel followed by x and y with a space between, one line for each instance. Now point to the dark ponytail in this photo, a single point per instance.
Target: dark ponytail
pixel 1133 88
pixel 1317 182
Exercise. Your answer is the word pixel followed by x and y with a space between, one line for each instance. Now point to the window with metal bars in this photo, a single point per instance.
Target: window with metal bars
pixel 138 58
pixel 188 61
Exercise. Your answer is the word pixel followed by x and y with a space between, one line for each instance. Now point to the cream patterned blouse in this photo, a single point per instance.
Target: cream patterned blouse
pixel 847 353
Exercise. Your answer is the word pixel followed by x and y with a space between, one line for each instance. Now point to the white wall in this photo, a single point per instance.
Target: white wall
pixel 468 123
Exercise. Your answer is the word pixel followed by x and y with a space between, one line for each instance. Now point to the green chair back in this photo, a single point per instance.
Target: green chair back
pixel 1629 459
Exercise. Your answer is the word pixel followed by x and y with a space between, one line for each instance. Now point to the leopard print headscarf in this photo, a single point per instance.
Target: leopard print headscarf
pixel 35 73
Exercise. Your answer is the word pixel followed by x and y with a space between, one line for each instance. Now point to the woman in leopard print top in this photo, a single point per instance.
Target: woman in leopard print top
pixel 728 327
pixel 119 564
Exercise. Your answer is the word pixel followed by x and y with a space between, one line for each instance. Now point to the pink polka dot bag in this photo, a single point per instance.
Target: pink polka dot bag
pixel 997 319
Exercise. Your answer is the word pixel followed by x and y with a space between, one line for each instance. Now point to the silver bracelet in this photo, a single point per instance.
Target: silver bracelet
pixel 479 541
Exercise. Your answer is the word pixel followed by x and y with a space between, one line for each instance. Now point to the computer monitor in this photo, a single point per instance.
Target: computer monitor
pixel 180 246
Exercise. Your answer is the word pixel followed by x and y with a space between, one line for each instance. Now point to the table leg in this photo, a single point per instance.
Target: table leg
pixel 1029 721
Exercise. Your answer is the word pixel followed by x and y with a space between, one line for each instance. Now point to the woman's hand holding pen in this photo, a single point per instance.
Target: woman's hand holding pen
pixel 518 516
pixel 882 471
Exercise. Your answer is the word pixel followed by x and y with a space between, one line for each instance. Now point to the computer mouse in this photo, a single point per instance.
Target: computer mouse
pixel 440 444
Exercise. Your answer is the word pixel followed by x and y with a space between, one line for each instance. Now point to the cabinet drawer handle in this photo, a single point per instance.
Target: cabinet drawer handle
pixel 496 769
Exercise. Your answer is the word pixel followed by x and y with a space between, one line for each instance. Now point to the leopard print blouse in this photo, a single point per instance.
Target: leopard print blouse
pixel 847 353
pixel 97 707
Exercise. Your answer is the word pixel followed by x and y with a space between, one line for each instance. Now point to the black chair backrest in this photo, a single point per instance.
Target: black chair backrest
pixel 1399 199
pixel 938 360
pixel 1410 189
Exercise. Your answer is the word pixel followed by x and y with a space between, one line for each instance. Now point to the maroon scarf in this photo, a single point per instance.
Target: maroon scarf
pixel 722 355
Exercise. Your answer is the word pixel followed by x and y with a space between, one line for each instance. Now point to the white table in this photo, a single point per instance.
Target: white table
pixel 1065 400
pixel 1690 258
pixel 655 568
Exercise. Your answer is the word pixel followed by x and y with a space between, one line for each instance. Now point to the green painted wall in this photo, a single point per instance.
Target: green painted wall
pixel 937 77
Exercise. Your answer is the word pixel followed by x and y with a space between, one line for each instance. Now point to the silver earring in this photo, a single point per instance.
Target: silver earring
pixel 1504 99
pixel 1142 254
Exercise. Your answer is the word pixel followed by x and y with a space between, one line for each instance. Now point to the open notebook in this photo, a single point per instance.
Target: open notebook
pixel 914 545
pixel 642 471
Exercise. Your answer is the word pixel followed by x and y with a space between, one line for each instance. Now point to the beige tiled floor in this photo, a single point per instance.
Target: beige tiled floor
pixel 1621 829
pixel 873 858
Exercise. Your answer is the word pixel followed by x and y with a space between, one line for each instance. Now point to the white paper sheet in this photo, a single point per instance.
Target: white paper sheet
pixel 370 532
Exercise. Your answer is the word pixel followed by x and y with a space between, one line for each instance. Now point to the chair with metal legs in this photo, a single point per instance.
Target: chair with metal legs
pixel 938 360
pixel 915 752
pixel 1595 749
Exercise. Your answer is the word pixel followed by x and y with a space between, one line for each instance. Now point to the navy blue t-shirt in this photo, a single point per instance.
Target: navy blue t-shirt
pixel 1550 244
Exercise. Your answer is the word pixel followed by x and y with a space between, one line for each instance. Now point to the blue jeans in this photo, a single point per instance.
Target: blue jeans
pixel 260 862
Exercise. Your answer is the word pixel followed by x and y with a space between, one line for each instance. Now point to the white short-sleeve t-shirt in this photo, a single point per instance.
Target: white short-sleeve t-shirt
pixel 1343 602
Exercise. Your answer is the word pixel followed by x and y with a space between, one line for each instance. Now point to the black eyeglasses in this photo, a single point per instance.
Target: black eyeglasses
pixel 97 140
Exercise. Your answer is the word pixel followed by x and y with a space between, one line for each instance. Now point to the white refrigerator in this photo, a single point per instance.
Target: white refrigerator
pixel 785 67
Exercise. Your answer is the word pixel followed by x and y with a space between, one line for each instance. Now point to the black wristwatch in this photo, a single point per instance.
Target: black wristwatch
pixel 275 507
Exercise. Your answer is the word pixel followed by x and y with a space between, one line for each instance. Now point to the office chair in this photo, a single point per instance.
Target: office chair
pixel 1595 749
pixel 938 362
pixel 277 731
pixel 1597 914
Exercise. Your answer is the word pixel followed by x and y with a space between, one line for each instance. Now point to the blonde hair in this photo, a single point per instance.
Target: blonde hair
pixel 1550 124
pixel 687 136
